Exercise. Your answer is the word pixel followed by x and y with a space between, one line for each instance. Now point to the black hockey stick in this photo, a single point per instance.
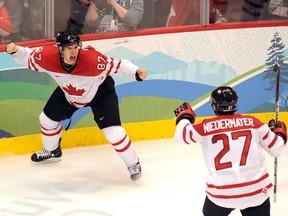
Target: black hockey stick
pixel 277 71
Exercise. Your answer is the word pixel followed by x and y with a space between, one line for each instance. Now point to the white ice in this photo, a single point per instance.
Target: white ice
pixel 93 181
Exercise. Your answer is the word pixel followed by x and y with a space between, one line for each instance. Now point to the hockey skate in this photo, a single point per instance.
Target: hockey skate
pixel 135 171
pixel 47 156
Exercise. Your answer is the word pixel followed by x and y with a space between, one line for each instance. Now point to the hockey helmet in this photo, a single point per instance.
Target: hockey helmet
pixel 224 100
pixel 67 38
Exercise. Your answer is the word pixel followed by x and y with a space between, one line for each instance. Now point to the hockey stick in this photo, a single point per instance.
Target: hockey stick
pixel 277 71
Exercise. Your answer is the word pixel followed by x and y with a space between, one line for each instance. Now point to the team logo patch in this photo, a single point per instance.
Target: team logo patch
pixel 264 190
pixel 73 90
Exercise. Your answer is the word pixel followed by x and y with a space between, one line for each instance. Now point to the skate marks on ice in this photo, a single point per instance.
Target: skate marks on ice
pixel 74 186
pixel 94 181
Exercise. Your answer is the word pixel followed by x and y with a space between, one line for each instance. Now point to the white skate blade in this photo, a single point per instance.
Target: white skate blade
pixel 137 182
pixel 50 160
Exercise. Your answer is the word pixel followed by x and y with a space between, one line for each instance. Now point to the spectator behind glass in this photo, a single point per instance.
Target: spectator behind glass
pixel 251 10
pixel 5 23
pixel 27 19
pixel 147 20
pixel 187 12
pixel 278 9
pixel 155 13
pixel 113 15
pixel 162 9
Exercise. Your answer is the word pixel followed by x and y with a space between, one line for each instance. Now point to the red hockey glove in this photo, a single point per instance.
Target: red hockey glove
pixel 279 128
pixel 184 112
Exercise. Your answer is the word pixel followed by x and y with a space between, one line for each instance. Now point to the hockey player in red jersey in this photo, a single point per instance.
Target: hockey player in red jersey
pixel 83 78
pixel 232 147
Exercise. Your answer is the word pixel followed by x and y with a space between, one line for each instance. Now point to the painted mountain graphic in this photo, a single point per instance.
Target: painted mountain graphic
pixel 124 53
pixel 162 66
pixel 159 63
pixel 172 89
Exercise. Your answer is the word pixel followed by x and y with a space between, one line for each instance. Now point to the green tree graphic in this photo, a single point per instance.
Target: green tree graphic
pixel 276 56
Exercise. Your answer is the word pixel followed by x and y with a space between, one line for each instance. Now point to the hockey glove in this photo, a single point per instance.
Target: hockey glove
pixel 185 112
pixel 138 77
pixel 279 128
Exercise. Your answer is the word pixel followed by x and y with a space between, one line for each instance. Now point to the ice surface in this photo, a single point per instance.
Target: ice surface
pixel 94 181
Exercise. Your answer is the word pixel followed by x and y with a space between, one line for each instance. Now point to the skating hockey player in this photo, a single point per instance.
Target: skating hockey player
pixel 84 79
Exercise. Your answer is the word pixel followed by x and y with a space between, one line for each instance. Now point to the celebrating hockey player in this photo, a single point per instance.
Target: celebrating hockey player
pixel 83 78
pixel 232 146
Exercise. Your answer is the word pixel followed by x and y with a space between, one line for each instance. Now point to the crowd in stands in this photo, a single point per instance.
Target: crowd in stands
pixel 5 23
pixel 22 20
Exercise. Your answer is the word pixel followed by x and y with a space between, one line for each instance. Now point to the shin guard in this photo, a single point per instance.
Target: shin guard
pixel 121 142
pixel 50 132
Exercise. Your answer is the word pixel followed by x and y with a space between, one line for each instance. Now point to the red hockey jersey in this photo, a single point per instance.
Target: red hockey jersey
pixel 81 84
